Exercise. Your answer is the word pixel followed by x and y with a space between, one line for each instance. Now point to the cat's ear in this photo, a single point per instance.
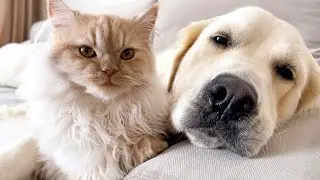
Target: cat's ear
pixel 148 18
pixel 60 14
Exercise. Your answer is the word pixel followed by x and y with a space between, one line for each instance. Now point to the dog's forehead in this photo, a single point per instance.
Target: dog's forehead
pixel 245 18
pixel 251 21
pixel 254 24
pixel 248 15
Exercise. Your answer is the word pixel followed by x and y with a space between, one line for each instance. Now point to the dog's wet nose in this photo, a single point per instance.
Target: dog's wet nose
pixel 232 97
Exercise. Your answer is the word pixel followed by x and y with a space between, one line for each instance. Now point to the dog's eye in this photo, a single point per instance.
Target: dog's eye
pixel 220 40
pixel 286 72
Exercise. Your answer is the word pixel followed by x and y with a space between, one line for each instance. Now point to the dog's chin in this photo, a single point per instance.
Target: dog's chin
pixel 207 138
pixel 200 138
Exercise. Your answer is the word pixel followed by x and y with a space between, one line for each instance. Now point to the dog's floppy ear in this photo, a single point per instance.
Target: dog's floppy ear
pixel 311 92
pixel 187 36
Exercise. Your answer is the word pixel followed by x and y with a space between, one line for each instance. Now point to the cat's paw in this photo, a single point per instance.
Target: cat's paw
pixel 147 148
pixel 158 145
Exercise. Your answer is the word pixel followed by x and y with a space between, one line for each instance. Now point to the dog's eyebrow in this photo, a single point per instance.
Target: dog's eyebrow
pixel 224 32
pixel 287 55
pixel 283 62
pixel 283 50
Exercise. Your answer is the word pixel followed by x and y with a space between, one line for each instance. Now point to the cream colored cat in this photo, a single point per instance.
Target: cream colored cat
pixel 97 107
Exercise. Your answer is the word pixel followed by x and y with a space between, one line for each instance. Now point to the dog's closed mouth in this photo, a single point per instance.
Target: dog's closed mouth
pixel 201 134
pixel 209 138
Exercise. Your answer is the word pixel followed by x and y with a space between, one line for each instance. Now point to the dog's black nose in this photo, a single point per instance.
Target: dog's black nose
pixel 232 97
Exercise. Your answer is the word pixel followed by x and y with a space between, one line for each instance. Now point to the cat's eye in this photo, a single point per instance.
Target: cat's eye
pixel 127 54
pixel 285 71
pixel 87 52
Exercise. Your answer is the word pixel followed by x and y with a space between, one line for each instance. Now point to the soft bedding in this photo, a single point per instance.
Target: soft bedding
pixel 316 54
pixel 292 154
pixel 7 96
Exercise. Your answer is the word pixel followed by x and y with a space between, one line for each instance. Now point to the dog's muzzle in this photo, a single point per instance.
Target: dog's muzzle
pixel 221 115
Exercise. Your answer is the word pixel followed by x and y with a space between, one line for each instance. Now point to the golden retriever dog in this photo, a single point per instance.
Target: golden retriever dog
pixel 236 77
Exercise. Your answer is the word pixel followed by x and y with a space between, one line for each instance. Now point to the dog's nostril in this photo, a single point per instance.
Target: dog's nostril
pixel 220 94
pixel 248 106
pixel 244 105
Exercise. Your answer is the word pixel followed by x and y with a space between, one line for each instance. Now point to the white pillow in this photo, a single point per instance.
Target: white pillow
pixel 176 14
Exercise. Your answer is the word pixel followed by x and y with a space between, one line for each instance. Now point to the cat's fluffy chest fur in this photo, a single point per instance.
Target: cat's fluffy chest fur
pixel 85 136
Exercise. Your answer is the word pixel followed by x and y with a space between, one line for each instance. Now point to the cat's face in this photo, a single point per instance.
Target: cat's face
pixel 107 55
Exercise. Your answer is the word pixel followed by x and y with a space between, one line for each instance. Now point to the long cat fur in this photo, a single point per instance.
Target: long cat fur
pixel 84 129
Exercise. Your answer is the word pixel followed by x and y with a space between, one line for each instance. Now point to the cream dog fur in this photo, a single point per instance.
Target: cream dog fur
pixel 236 77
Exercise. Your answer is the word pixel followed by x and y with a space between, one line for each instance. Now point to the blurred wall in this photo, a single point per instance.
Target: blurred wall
pixel 16 18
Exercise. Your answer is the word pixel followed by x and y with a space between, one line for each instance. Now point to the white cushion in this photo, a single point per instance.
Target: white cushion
pixel 175 14
pixel 293 153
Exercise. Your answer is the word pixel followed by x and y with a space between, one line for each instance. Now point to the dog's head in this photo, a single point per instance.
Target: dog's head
pixel 236 76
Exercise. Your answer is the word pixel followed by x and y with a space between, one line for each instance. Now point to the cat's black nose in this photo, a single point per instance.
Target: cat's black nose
pixel 232 97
